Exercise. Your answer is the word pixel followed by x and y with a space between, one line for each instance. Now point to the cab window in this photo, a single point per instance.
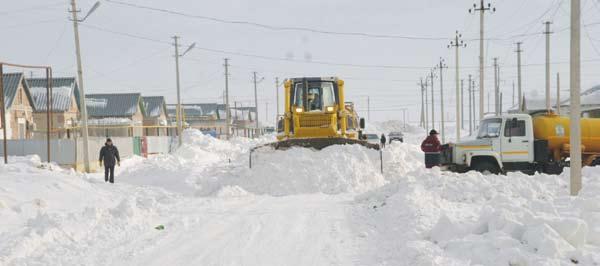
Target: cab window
pixel 514 129
pixel 315 97
pixel 490 128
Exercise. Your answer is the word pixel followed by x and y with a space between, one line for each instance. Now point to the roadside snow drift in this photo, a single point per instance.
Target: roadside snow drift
pixel 294 207
pixel 208 166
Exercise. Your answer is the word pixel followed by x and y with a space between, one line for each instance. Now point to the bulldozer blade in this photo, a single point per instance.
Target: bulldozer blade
pixel 317 143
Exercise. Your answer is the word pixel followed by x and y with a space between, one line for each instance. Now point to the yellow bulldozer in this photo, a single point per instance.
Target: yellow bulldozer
pixel 316 116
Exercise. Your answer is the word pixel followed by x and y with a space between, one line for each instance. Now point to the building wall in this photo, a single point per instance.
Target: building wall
pixel 21 116
pixel 138 121
pixel 155 122
pixel 62 122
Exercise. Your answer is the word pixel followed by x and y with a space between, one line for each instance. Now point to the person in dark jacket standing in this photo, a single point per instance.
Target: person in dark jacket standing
pixel 109 154
pixel 383 140
pixel 431 147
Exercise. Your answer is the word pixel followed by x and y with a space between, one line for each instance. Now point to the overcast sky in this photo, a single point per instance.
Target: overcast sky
pixel 386 69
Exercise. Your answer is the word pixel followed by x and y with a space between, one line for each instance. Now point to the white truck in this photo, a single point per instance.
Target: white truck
pixel 520 142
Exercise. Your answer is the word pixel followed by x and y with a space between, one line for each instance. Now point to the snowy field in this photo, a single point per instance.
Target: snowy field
pixel 295 207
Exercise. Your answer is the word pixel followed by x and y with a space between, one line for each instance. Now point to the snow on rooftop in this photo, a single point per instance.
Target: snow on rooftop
pixel 110 121
pixel 96 102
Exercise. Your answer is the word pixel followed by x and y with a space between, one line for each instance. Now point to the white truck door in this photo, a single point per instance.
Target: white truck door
pixel 517 140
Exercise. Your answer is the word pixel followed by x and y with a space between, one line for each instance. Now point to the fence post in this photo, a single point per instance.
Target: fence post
pixel 250 159
pixel 381 160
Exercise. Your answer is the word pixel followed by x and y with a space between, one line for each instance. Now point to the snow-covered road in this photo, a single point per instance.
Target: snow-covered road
pixel 296 207
pixel 294 230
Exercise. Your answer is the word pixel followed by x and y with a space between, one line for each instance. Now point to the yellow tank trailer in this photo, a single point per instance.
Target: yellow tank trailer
pixel 555 129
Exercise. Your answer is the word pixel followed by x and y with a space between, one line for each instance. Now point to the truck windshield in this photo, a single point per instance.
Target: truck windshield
pixel 490 128
pixel 315 97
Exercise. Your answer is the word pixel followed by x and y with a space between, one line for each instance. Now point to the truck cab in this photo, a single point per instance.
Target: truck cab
pixel 503 143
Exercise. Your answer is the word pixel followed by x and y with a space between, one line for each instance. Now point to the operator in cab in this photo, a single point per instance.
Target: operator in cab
pixel 314 103
pixel 431 147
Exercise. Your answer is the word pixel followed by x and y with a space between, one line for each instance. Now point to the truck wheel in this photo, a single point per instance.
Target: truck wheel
pixel 553 169
pixel 486 168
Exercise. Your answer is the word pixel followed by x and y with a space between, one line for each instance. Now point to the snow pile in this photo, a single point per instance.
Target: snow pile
pixel 453 219
pixel 183 170
pixel 204 166
pixel 52 216
pixel 294 207
pixel 333 170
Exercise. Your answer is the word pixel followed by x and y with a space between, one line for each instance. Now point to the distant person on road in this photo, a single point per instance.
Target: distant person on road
pixel 109 154
pixel 383 140
pixel 431 147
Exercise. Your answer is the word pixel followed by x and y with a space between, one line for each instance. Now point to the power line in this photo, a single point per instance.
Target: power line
pixel 273 27
pixel 31 23
pixel 271 58
pixel 40 7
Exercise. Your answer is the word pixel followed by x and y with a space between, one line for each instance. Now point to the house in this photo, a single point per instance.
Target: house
pixel 590 103
pixel 115 114
pixel 210 117
pixel 155 116
pixel 207 117
pixel 19 107
pixel 65 106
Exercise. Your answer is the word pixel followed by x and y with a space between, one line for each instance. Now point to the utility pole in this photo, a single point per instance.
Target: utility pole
pixel 266 111
pixel 235 114
pixel 277 99
pixel 496 90
pixel 227 111
pixel 462 104
pixel 84 122
pixel 470 108
pixel 442 66
pixel 178 112
pixel 432 101
pixel 513 94
pixel 488 102
pixel 473 95
pixel 557 93
pixel 457 43
pixel 49 104
pixel 482 9
pixel 369 108
pixel 575 125
pixel 547 33
pixel 422 122
pixel 3 115
pixel 519 92
pixel 426 107
pixel 500 99
pixel 500 103
pixel 255 99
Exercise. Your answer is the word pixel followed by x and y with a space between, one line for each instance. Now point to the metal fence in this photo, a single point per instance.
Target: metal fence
pixel 69 152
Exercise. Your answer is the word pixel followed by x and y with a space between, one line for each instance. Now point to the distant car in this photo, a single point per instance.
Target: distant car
pixel 397 136
pixel 372 138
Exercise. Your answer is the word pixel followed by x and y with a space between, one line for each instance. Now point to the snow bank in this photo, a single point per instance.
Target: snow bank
pixel 452 219
pixel 205 165
pixel 52 216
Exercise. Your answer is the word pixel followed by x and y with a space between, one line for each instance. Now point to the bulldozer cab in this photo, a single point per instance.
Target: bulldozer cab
pixel 316 116
pixel 314 95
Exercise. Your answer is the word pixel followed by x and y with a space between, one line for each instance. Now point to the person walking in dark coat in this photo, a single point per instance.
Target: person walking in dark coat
pixel 109 154
pixel 383 140
pixel 431 147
